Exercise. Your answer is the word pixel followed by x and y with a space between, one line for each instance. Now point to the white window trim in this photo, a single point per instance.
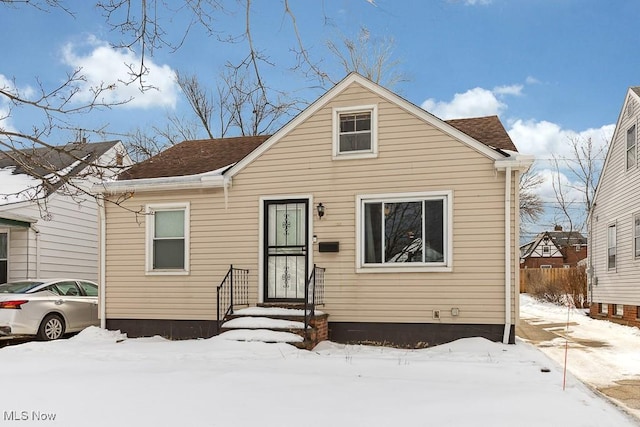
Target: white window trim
pixel 337 111
pixel 8 233
pixel 634 148
pixel 634 236
pixel 149 209
pixel 447 266
pixel 615 236
pixel 616 307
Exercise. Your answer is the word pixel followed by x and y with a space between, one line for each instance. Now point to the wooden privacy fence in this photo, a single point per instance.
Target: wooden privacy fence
pixel 533 276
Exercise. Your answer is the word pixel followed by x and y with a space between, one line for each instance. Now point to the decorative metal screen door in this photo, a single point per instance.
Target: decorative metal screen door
pixel 286 232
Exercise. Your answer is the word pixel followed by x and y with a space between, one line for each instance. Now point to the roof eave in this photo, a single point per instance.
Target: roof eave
pixel 159 184
pixel 515 160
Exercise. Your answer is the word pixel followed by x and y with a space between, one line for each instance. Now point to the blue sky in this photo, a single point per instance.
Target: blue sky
pixel 551 69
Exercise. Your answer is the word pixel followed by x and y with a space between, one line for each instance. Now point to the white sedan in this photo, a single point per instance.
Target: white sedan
pixel 47 308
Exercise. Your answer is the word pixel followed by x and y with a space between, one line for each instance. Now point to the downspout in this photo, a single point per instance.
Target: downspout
pixel 225 185
pixel 103 263
pixel 507 256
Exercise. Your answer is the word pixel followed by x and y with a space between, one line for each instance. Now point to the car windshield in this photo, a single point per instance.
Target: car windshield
pixel 18 287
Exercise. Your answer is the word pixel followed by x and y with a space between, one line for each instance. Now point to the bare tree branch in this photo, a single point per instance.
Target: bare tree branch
pixel 531 206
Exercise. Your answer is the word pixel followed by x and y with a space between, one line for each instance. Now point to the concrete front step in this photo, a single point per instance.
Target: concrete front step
pixel 250 322
pixel 256 324
pixel 263 335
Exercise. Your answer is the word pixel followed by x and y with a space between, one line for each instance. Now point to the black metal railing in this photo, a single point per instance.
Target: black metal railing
pixel 313 294
pixel 232 291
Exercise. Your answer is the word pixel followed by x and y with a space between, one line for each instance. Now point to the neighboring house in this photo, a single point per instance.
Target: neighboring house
pixel 414 219
pixel 554 249
pixel 49 228
pixel 614 223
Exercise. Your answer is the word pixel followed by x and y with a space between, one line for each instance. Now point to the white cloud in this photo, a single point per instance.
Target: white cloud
pixel 105 66
pixel 515 90
pixel 544 139
pixel 5 104
pixel 472 2
pixel 570 188
pixel 530 80
pixel 473 103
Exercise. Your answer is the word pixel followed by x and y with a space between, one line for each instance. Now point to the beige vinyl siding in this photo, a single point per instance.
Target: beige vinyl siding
pixel 617 202
pixel 413 157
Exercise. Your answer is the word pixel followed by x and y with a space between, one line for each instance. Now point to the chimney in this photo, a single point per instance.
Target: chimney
pixel 557 228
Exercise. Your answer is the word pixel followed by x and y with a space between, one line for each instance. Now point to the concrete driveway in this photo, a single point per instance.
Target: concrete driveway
pixel 625 392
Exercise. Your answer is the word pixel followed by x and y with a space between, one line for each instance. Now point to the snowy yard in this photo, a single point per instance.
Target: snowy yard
pixel 600 353
pixel 98 378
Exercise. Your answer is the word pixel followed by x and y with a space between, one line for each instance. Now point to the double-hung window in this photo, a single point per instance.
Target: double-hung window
pixel 405 231
pixel 631 147
pixel 4 253
pixel 355 132
pixel 636 236
pixel 611 247
pixel 168 238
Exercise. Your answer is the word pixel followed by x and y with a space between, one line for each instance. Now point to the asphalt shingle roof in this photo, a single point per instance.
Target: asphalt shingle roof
pixel 195 157
pixel 488 130
pixel 40 161
pixel 205 155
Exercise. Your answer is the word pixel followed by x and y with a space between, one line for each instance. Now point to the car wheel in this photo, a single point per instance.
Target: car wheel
pixel 51 328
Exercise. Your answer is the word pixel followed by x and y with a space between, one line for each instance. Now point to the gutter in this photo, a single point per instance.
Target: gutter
pixel 213 179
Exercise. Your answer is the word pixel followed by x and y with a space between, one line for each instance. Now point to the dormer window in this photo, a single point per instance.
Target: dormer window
pixel 355 133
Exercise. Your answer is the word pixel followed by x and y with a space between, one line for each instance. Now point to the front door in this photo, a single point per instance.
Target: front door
pixel 286 249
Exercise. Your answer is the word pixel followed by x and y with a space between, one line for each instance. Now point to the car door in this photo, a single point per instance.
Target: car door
pixel 90 291
pixel 73 305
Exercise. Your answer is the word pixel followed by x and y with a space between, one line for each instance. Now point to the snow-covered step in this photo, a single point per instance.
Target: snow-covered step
pixel 261 335
pixel 249 322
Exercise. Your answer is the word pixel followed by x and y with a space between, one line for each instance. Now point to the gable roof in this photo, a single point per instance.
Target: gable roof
pixel 632 92
pixel 41 161
pixel 206 155
pixel 23 171
pixel 384 93
pixel 195 157
pixel 561 239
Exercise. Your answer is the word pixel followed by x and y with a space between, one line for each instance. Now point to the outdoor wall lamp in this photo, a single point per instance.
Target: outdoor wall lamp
pixel 320 209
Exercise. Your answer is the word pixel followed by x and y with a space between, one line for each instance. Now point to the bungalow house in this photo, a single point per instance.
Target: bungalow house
pixel 554 249
pixel 409 222
pixel 48 226
pixel 614 223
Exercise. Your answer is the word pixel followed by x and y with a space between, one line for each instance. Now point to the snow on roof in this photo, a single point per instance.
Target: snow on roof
pixel 20 187
pixel 55 177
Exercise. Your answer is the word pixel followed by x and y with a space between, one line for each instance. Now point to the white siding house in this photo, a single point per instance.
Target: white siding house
pixel 52 233
pixel 614 221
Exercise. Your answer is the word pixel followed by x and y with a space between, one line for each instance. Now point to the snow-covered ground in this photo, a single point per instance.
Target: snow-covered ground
pixel 100 378
pixel 599 352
